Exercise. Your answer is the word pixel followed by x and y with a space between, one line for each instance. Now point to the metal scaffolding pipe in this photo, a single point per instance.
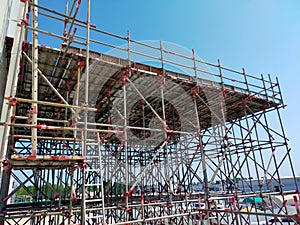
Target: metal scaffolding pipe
pixel 136 163
pixel 86 102
pixel 35 57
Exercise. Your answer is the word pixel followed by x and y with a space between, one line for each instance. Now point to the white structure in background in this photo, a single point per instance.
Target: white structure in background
pixel 8 21
pixel 8 14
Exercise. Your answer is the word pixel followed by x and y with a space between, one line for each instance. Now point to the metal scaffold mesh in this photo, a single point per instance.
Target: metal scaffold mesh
pixel 141 134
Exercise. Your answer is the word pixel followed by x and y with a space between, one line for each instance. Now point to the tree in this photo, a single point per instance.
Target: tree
pixel 48 191
pixel 27 190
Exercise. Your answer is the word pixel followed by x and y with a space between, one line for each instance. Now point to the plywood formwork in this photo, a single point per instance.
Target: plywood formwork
pixel 113 140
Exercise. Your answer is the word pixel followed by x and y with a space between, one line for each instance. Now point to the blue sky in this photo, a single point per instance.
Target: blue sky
pixel 262 36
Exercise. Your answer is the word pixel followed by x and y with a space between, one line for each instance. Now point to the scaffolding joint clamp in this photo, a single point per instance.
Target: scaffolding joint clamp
pixel 12 101
pixel 195 90
pixel 25 22
pixel 6 166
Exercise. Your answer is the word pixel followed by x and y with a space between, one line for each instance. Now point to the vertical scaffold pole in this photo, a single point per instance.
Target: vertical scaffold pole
pixel 101 177
pixel 35 55
pixel 168 169
pixel 125 130
pixel 86 102
pixel 198 130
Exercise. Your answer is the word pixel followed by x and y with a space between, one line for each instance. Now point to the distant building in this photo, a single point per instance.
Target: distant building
pixel 287 183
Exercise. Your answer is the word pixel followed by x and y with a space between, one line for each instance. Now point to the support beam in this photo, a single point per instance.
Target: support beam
pixel 35 58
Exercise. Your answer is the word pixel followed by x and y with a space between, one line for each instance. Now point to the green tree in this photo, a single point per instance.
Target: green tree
pixel 28 190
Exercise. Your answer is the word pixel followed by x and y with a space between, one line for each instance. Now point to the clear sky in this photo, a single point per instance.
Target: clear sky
pixel 262 36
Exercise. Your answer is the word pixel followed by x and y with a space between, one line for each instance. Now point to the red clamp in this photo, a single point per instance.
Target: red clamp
pixel 66 20
pixel 33 111
pixel 6 166
pixel 12 101
pixel 124 78
pixel 44 127
pixel 250 98
pixel 245 104
pixel 80 63
pixel 128 193
pixel 167 139
pixel 102 140
pixel 78 4
pixel 25 46
pixel 72 36
pixel 13 119
pixel 31 157
pixel 54 157
pixel 195 90
pixel 25 21
pixel 65 33
pixel 224 93
pixel 142 103
pixel 296 202
pixel 81 165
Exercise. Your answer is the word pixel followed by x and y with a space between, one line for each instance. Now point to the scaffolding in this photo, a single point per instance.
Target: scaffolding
pixel 141 135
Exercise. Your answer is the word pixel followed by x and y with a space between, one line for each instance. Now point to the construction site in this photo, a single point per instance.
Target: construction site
pixel 105 129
